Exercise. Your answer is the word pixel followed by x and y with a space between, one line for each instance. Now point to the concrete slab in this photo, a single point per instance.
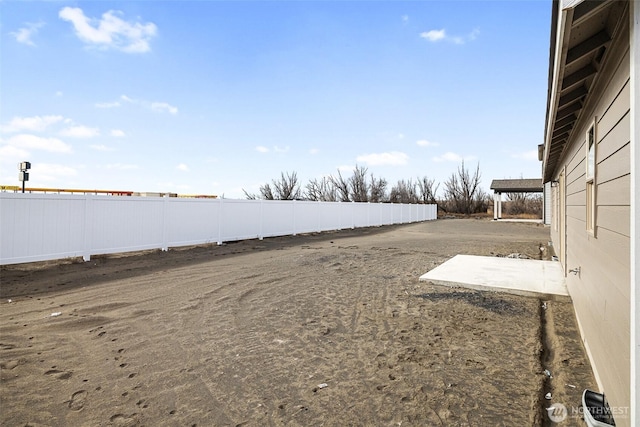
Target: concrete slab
pixel 517 276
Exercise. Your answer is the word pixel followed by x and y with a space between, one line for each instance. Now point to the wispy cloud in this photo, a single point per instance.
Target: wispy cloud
pixel 24 34
pixel 526 155
pixel 405 18
pixel 450 156
pixel 51 172
pixel 434 35
pixel 441 35
pixel 110 31
pixel 117 133
pixel 113 104
pixel 281 149
pixel 314 151
pixel 162 107
pixel 393 158
pixel 101 147
pixel 262 149
pixel 158 107
pixel 34 142
pixel 121 166
pixel 426 143
pixel 31 124
pixel 182 167
pixel 80 132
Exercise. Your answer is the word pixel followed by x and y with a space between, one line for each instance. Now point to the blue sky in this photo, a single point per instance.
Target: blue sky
pixel 212 97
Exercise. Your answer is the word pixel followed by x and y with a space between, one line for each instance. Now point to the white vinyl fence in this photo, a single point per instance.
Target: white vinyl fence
pixel 38 227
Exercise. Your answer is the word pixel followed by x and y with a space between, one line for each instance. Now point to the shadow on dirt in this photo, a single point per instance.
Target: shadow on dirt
pixel 484 300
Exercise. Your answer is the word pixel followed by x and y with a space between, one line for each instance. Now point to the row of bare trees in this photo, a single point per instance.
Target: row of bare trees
pixel 461 192
pixel 359 187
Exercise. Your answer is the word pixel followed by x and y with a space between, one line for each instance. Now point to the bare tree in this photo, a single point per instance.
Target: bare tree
pixel 404 192
pixel 427 189
pixel 523 203
pixel 463 193
pixel 377 190
pixel 286 188
pixel 341 186
pixel 358 185
pixel 321 190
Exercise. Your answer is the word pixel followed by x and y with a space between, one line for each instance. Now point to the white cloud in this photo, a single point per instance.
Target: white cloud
pixel 401 136
pixel 449 156
pixel 26 141
pixel 117 133
pixel 182 167
pixel 51 172
pixel 24 34
pixel 425 143
pixel 159 107
pixel 405 18
pixel 59 93
pixel 110 31
pixel 438 35
pixel 12 154
pixel 281 149
pixel 31 124
pixel 107 104
pixel 526 155
pixel 162 107
pixel 393 158
pixel 346 168
pixel 262 149
pixel 434 35
pixel 101 147
pixel 80 132
pixel 121 166
pixel 314 151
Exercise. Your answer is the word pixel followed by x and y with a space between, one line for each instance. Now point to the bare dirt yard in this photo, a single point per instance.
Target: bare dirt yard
pixel 330 329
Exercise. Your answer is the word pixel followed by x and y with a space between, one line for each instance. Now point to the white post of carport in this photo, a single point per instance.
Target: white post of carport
pixel 495 205
pixel 499 205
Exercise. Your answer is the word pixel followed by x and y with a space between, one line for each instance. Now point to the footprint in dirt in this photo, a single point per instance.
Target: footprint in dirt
pixel 78 400
pixel 61 375
pixel 122 420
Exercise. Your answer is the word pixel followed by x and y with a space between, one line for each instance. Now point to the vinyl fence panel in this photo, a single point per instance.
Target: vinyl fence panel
pixel 39 227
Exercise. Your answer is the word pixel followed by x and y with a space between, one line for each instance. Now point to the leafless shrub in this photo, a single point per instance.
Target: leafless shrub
pixel 523 203
pixel 463 194
pixel 285 188
pixel 427 189
pixel 404 192
pixel 321 190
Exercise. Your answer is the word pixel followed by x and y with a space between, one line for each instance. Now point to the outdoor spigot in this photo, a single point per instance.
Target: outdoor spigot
pixel 575 271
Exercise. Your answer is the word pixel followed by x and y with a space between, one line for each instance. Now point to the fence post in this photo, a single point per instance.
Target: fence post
pixel 260 230
pixel 86 231
pixel 165 207
pixel 293 208
pixel 220 215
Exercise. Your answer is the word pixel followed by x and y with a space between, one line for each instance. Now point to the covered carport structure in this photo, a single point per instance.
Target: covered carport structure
pixel 499 186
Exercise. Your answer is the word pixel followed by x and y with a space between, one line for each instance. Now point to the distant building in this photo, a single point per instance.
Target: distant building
pixel 591 160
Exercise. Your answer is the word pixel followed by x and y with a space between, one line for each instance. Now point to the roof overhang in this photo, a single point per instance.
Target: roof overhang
pixel 581 34
pixel 526 185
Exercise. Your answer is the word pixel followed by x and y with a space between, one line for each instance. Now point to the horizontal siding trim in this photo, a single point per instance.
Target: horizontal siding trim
pixel 616 219
pixel 611 142
pixel 617 109
pixel 615 166
pixel 616 192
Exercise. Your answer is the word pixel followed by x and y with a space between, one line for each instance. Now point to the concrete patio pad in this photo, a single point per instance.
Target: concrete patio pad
pixel 516 276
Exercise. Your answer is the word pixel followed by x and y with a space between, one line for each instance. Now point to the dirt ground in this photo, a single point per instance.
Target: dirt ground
pixel 331 329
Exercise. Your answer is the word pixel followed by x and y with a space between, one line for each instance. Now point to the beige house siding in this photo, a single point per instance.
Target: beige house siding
pixel 601 291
